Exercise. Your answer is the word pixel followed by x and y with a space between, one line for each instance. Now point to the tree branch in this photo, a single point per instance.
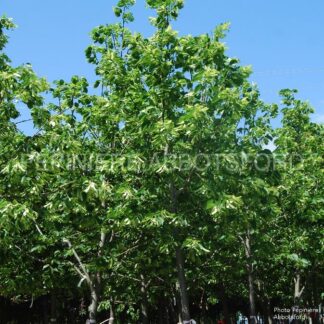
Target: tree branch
pixel 84 272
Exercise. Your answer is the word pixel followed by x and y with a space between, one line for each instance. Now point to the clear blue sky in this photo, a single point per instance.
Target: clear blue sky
pixel 282 40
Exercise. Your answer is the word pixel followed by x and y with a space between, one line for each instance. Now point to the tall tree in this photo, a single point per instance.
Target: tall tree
pixel 20 89
pixel 300 149
pixel 179 101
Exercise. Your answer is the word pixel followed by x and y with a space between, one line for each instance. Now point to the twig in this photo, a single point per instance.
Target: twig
pixel 23 121
pixel 38 229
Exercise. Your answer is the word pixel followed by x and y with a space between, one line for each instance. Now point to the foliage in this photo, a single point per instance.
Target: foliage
pixel 151 194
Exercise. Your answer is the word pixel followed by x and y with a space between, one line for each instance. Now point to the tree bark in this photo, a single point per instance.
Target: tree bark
pixel 182 285
pixel 94 282
pixel 267 311
pixel 53 308
pixel 184 300
pixel 173 313
pixel 45 309
pixel 298 291
pixel 249 266
pixel 111 313
pixel 167 314
pixel 225 305
pixel 251 295
pixel 93 307
pixel 144 307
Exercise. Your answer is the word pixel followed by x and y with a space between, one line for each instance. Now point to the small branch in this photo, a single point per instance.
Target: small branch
pixel 101 243
pixel 23 121
pixel 148 283
pixel 301 292
pixel 159 278
pixel 38 229
pixel 32 302
pixel 84 272
pixel 112 236
pixel 129 250
pixel 107 320
pixel 123 33
pixel 208 261
pixel 79 271
pixel 242 240
pixel 128 277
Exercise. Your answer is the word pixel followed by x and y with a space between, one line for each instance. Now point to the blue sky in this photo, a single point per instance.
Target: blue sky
pixel 282 40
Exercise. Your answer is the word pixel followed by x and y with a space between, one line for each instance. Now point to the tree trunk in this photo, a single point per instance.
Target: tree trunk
pixel 249 266
pixel 167 314
pixel 267 311
pixel 45 309
pixel 225 305
pixel 184 300
pixel 144 307
pixel 203 308
pixel 93 308
pixel 251 295
pixel 53 308
pixel 297 291
pixel 178 316
pixel 297 294
pixel 173 313
pixel 96 284
pixel 111 313
pixel 182 285
pixel 160 313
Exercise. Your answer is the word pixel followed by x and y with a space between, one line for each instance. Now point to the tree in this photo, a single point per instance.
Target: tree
pixel 152 197
pixel 300 147
pixel 18 87
pixel 180 100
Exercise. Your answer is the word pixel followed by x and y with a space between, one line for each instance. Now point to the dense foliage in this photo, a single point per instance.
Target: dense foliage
pixel 150 197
